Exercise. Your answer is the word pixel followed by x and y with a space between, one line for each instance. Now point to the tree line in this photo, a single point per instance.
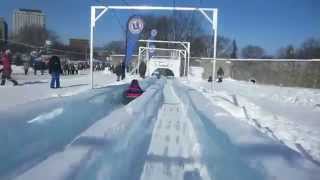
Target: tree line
pixel 34 37
pixel 183 27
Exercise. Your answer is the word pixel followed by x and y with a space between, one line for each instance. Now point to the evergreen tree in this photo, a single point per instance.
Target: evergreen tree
pixel 234 54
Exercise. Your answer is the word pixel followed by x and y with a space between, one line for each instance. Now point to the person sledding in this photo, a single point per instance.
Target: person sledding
pixel 134 90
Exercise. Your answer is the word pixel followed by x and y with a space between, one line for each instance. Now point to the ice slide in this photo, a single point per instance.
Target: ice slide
pixel 31 132
pixel 172 132
pixel 115 147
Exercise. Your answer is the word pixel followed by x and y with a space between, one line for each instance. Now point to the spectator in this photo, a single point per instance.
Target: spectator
pixel 42 67
pixel 123 70
pixel 55 70
pixel 142 69
pixel 220 74
pixel 7 70
pixel 65 69
pixel 35 67
pixel 26 67
pixel 118 71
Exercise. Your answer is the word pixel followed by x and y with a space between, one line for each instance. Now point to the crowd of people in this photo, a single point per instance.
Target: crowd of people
pixel 68 68
pixel 74 68
pixel 53 64
pixel 56 68
pixel 121 68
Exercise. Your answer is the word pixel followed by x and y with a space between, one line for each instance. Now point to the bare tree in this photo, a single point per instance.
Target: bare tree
pixel 310 49
pixel 31 38
pixel 287 53
pixel 251 51
pixel 180 27
pixel 32 35
pixel 234 53
pixel 114 47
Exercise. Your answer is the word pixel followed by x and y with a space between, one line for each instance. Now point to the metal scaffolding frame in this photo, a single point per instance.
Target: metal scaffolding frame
pixel 213 20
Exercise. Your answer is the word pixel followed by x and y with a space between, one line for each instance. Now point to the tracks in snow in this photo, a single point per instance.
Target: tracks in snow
pixel 174 152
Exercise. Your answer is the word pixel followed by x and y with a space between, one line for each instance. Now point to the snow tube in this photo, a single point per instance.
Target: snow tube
pixel 131 94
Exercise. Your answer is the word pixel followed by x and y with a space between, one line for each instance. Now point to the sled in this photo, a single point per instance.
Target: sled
pixel 130 96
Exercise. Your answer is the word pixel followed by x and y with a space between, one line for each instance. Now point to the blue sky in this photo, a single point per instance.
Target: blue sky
pixel 267 23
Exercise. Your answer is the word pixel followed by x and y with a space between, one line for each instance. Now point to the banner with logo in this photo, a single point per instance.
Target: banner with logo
pixel 135 26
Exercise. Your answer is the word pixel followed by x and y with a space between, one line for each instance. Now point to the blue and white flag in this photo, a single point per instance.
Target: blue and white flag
pixel 135 26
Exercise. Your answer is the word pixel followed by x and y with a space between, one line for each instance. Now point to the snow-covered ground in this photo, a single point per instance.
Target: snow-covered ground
pixel 176 130
pixel 289 115
pixel 37 87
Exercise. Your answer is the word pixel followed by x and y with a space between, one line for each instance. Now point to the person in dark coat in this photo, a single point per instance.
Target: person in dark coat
pixel 142 69
pixel 26 67
pixel 118 71
pixel 7 70
pixel 35 67
pixel 123 70
pixel 220 74
pixel 42 67
pixel 55 70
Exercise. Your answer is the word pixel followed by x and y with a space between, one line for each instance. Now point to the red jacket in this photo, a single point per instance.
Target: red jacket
pixel 6 64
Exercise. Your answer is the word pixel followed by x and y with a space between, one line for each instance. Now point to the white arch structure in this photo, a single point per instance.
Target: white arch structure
pixel 182 51
pixel 212 18
pixel 173 63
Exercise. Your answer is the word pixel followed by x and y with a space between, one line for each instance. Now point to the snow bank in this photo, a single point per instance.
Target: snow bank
pixel 288 115
pixel 196 73
pixel 237 149
pixel 276 126
pixel 291 95
pixel 33 88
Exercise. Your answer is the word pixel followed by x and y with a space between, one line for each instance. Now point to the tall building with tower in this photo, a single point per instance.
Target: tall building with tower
pixel 3 31
pixel 27 17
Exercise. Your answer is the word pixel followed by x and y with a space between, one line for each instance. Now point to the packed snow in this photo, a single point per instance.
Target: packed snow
pixel 288 115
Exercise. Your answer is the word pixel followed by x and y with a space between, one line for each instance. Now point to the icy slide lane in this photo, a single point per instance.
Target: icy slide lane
pixel 31 132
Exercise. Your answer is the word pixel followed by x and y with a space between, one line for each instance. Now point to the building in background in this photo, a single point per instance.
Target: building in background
pixel 27 17
pixel 81 46
pixel 3 31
